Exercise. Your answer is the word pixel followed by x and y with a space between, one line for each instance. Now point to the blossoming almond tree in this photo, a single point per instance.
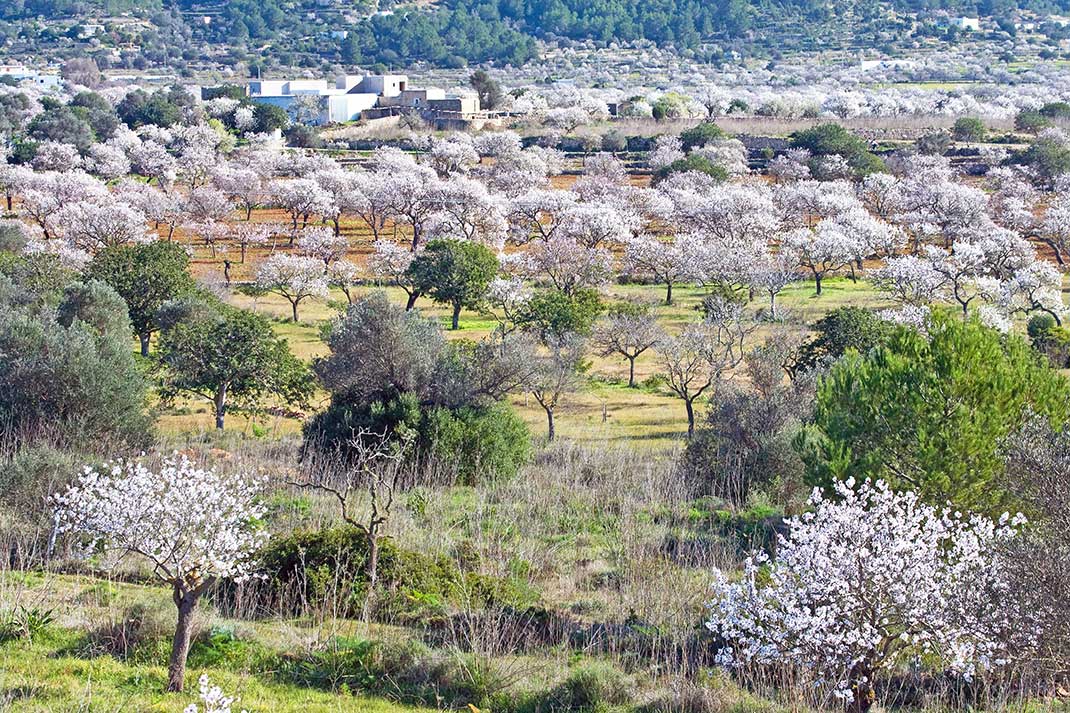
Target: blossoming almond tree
pixel 293 277
pixel 867 579
pixel 192 524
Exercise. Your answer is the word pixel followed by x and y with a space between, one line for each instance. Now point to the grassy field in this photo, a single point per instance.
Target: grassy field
pixel 606 410
pixel 61 670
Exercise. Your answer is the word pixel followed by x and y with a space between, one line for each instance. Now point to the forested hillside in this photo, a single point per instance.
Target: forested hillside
pixel 459 32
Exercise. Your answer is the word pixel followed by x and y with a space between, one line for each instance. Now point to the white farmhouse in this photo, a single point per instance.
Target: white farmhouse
pixel 353 95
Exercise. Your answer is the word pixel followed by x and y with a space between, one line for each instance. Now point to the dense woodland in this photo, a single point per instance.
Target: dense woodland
pixel 459 32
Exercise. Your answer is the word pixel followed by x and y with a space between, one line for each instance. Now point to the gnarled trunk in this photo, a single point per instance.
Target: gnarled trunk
pixel 186 602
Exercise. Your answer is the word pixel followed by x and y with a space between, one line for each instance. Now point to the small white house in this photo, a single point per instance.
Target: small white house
pixel 24 74
pixel 966 23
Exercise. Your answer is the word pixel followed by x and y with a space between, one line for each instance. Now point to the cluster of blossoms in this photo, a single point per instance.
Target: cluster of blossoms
pixel 191 523
pixel 868 578
pixel 984 85
pixel 942 239
pixel 213 698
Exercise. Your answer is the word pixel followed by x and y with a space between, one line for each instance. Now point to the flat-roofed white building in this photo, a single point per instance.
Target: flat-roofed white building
pixel 353 94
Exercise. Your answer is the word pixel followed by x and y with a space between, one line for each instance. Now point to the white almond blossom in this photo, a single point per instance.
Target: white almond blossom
pixel 191 524
pixel 867 579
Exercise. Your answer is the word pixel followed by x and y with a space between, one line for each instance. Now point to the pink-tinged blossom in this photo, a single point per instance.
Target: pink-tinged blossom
pixel 667 150
pixel 821 250
pixel 247 235
pixel 538 214
pixel 669 262
pixel 805 203
pixel 106 161
pixel 911 280
pixel 295 278
pixel 568 264
pixel 190 523
pixel 879 193
pixel 594 225
pixel 727 212
pixel 467 211
pixel 344 275
pixel 92 225
pixel 506 296
pixel 206 204
pixel 301 198
pixel 193 526
pixel 321 243
pixel 55 156
pixel 452 156
pixel 68 256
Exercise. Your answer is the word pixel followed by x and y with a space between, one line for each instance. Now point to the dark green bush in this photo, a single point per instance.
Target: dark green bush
pixel 468 445
pixel 828 139
pixel 481 444
pixel 1050 339
pixel 328 566
pixel 701 135
pixel 693 162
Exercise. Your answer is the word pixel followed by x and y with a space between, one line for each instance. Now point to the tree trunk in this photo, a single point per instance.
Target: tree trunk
pixel 293 306
pixel 9 205
pixel 220 406
pixel 1055 249
pixel 411 302
pixel 689 403
pixel 551 432
pixel 631 372
pixel 817 279
pixel 372 569
pixel 176 666
pixel 668 293
pixel 861 680
pixel 772 305
pixel 144 338
pixel 456 316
